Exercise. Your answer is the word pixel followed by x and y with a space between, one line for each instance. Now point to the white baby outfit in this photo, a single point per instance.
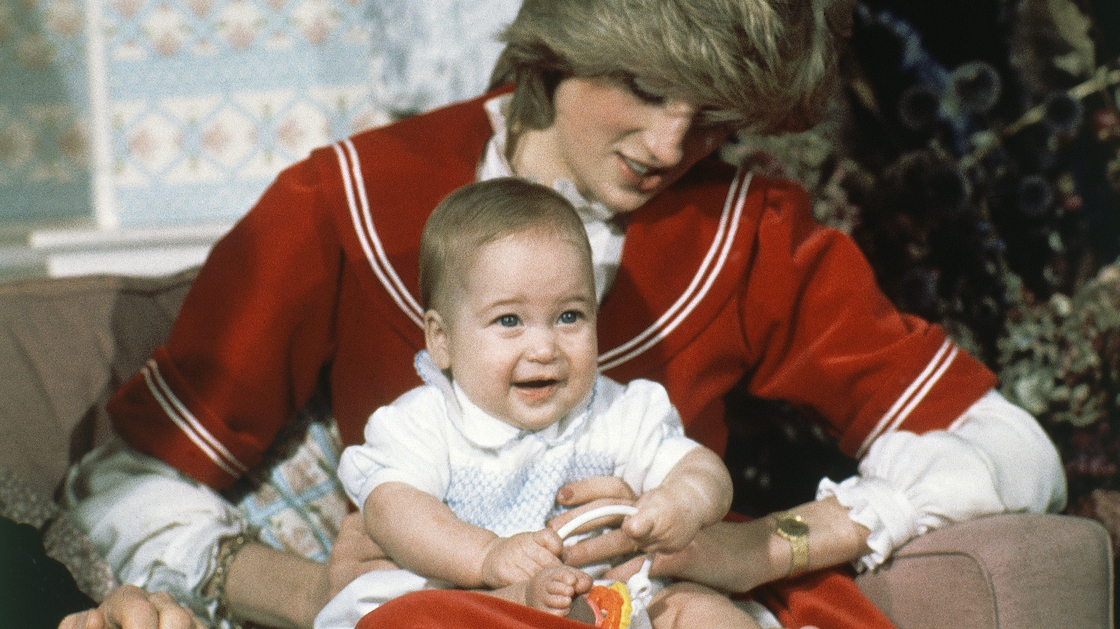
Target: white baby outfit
pixel 494 475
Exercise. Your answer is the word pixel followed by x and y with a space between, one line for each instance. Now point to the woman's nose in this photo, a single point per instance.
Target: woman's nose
pixel 666 133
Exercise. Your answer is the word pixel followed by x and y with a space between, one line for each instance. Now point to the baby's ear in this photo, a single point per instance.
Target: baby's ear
pixel 435 337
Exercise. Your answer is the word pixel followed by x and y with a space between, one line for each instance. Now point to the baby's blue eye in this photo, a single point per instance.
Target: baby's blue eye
pixel 569 317
pixel 508 321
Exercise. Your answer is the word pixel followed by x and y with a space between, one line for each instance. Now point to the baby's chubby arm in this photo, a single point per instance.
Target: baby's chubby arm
pixel 423 535
pixel 695 493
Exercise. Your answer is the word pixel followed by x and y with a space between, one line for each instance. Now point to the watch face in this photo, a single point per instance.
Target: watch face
pixel 793 527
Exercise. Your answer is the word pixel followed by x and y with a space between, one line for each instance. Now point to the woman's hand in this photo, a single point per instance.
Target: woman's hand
pixel 586 495
pixel 129 607
pixel 592 492
pixel 354 553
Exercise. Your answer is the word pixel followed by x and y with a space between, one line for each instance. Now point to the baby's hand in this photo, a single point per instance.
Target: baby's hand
pixel 662 523
pixel 553 589
pixel 517 558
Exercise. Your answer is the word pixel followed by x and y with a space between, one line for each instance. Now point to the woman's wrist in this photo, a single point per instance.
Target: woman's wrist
pixel 215 588
pixel 728 556
pixel 740 556
pixel 275 588
pixel 773 555
pixel 814 536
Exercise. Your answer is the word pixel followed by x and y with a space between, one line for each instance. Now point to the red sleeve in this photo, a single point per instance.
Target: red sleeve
pixel 826 337
pixel 247 347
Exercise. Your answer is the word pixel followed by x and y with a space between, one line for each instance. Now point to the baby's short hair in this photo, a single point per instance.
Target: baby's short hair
pixel 481 213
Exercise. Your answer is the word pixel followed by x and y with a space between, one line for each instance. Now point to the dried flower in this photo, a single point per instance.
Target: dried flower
pixel 975 87
pixel 918 107
pixel 1035 196
pixel 1062 113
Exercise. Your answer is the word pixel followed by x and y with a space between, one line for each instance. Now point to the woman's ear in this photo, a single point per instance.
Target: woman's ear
pixel 435 337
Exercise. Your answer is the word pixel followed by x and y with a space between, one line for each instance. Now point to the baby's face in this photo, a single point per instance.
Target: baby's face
pixel 519 335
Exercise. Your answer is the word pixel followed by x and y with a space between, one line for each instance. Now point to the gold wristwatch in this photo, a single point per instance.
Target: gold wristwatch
pixel 796 531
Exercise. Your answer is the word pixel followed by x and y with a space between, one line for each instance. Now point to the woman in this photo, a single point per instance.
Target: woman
pixel 706 276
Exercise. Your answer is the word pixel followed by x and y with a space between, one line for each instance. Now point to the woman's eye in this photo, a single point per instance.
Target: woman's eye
pixel 570 317
pixel 644 94
pixel 508 321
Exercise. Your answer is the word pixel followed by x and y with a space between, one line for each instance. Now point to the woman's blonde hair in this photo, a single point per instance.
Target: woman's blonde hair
pixel 763 65
pixel 481 213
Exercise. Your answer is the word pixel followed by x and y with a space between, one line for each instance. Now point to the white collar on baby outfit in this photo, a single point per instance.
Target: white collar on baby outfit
pixel 605 234
pixel 484 430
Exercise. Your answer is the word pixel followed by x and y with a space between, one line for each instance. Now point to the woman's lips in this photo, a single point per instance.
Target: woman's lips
pixel 639 168
pixel 640 176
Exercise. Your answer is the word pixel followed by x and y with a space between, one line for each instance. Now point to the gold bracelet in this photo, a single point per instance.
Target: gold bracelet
pixel 228 551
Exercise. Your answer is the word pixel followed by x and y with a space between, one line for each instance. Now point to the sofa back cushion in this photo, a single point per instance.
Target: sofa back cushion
pixel 66 344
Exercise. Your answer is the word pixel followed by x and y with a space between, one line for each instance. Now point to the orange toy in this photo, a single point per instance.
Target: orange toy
pixel 611 605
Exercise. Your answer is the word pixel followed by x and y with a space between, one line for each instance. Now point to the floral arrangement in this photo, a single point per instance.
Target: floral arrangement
pixel 974 155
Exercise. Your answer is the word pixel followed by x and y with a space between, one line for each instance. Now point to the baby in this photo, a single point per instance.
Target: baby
pixel 458 477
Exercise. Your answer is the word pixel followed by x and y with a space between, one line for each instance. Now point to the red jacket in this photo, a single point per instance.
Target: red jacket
pixel 723 276
pixel 320 279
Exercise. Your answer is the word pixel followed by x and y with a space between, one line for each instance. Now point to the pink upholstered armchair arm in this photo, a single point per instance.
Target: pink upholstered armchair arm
pixel 1005 572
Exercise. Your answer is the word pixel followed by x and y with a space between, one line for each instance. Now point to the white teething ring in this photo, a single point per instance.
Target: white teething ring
pixel 594 514
pixel 639 585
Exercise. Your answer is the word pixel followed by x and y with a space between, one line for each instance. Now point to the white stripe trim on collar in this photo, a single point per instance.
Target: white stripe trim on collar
pixel 367 234
pixel 178 413
pixel 697 290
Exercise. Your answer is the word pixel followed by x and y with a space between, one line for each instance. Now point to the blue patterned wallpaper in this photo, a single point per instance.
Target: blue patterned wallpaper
pixel 44 164
pixel 158 112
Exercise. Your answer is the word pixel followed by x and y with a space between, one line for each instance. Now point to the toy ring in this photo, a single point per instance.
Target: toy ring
pixel 605 607
pixel 594 514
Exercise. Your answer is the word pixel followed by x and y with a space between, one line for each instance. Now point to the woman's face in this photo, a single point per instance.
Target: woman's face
pixel 620 142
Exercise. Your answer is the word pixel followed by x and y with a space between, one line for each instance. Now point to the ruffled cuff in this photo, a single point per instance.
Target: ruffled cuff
pixel 158 529
pixel 994 459
pixel 884 510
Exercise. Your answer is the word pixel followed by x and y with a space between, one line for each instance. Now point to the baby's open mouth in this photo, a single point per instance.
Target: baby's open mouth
pixel 535 384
